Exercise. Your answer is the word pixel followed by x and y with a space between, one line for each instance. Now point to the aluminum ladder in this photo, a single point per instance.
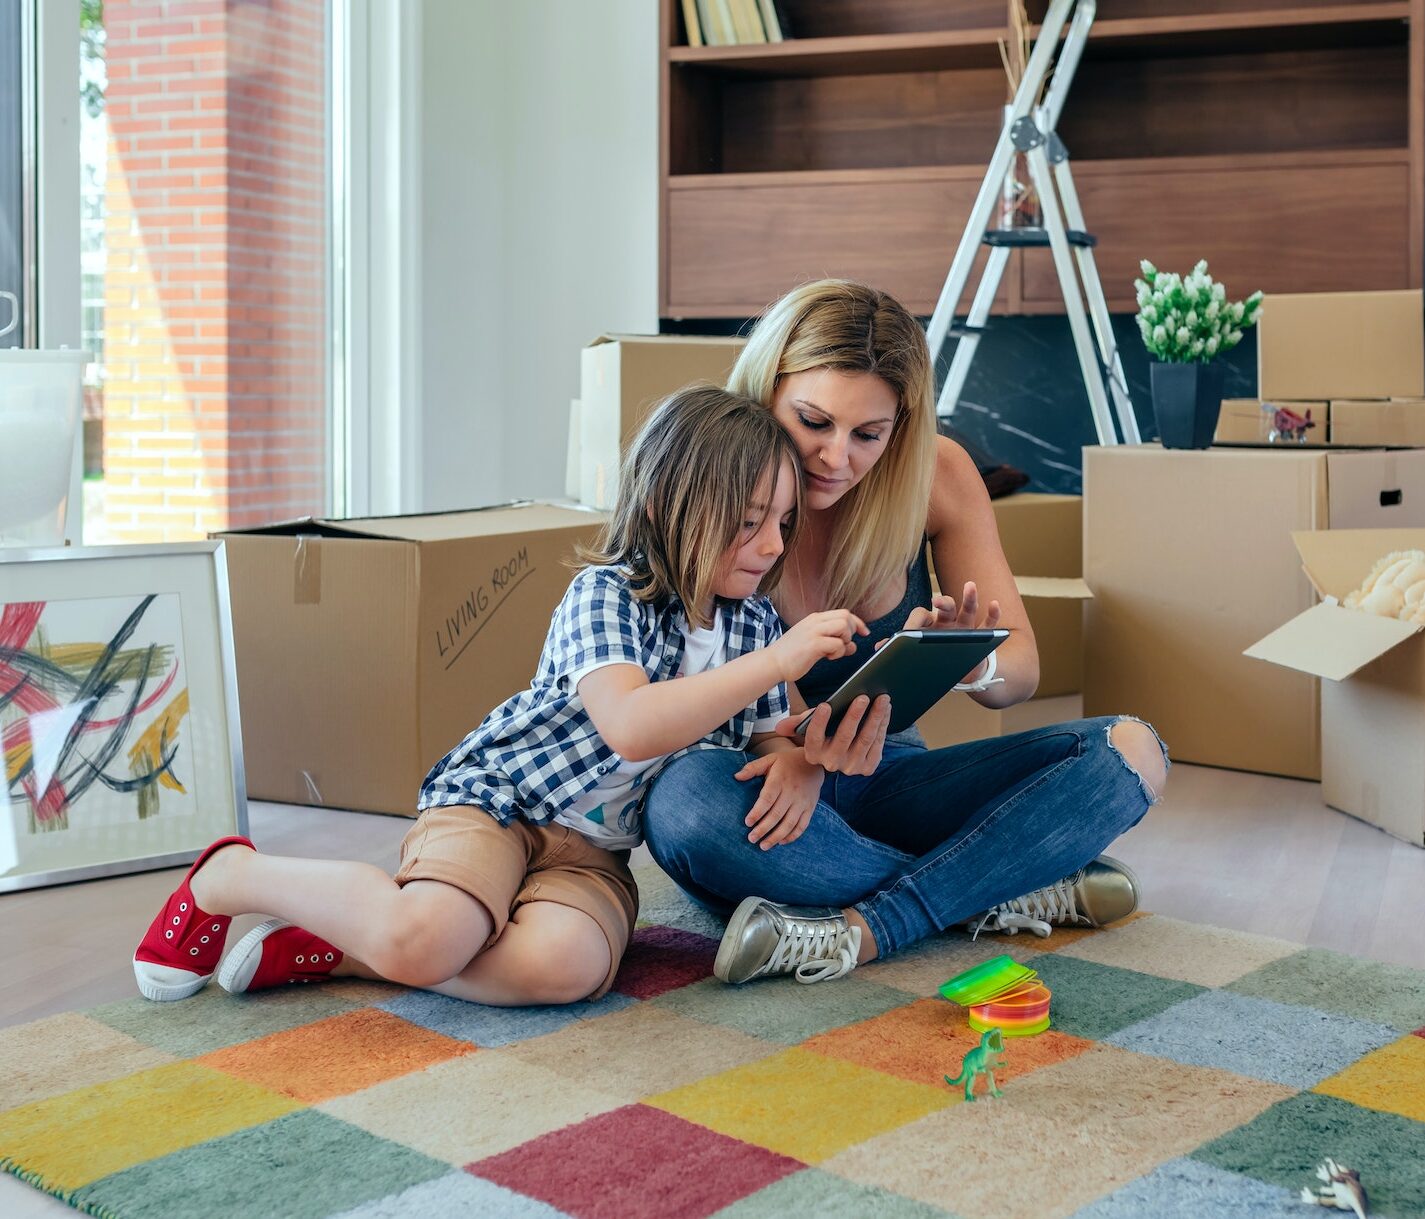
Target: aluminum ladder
pixel 1031 129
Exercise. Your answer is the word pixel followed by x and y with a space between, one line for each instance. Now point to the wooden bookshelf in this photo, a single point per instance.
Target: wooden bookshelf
pixel 1284 142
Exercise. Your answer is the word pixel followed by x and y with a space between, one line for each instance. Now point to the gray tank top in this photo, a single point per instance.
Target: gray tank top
pixel 826 676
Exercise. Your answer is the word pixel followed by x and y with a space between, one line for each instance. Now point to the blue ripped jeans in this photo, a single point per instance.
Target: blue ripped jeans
pixel 932 839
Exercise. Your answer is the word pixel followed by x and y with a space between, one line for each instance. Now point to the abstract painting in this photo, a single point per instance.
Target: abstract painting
pixel 92 704
pixel 119 741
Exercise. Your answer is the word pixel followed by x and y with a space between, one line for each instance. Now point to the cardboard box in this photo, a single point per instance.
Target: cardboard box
pixel 1247 421
pixel 573 453
pixel 1394 423
pixel 366 649
pixel 1341 345
pixel 1190 560
pixel 1373 695
pixel 957 718
pixel 622 377
pixel 1041 534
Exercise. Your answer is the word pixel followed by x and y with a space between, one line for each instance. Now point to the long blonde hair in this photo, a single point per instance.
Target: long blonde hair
pixel 853 328
pixel 685 487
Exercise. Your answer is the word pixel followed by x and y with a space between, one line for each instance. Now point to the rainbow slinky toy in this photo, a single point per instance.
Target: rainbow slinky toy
pixel 1001 993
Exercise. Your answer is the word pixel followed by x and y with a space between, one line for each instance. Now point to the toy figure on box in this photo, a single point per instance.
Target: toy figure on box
pixel 904 841
pixel 1287 424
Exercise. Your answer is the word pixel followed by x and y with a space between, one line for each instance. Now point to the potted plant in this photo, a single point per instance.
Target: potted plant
pixel 1186 323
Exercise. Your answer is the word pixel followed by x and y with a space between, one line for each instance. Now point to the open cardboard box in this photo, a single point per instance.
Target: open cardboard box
pixel 1190 559
pixel 1043 534
pixel 1373 692
pixel 368 648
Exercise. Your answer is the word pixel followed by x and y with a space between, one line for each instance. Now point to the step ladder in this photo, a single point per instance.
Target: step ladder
pixel 1030 129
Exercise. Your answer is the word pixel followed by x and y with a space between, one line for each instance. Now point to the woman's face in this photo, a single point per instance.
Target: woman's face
pixel 841 424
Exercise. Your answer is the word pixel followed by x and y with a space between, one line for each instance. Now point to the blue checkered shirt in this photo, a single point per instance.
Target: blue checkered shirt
pixel 538 752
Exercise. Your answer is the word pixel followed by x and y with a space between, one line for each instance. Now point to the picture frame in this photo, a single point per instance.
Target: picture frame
pixel 120 741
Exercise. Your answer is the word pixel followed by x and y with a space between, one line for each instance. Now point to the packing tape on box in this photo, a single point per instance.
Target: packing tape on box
pixel 307 571
pixel 313 791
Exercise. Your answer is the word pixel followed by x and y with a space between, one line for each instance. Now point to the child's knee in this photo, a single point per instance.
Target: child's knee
pixel 1139 747
pixel 566 956
pixel 427 942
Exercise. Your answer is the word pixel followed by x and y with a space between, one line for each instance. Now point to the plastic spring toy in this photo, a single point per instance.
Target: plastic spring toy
pixel 1001 993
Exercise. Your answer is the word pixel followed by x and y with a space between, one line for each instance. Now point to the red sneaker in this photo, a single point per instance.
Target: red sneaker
pixel 275 953
pixel 180 951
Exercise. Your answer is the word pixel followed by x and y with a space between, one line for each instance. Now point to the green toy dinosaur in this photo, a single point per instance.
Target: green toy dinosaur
pixel 979 1062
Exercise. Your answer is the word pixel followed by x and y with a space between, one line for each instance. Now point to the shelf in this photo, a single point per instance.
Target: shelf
pixel 860 55
pixel 1320 158
pixel 1227 32
pixel 1291 29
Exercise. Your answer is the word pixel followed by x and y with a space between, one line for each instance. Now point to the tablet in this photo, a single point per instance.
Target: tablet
pixel 917 669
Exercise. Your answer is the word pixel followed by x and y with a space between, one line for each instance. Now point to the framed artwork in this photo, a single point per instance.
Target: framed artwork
pixel 119 730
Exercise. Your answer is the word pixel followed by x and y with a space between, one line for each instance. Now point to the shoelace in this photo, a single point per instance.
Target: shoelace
pixel 1035 911
pixel 815 952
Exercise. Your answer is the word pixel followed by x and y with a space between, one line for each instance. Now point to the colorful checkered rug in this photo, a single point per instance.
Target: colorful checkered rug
pixel 1190 1072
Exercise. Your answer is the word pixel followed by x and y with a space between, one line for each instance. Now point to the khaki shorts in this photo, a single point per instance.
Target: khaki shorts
pixel 505 866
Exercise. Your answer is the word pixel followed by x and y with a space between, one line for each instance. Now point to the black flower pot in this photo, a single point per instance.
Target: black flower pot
pixel 1186 400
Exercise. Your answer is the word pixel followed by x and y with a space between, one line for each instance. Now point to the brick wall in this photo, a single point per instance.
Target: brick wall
pixel 214 317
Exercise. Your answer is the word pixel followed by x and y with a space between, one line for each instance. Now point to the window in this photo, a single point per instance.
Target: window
pixel 204 248
pixel 14 185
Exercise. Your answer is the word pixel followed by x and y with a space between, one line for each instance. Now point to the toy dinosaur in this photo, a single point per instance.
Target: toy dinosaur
pixel 979 1062
pixel 1342 1189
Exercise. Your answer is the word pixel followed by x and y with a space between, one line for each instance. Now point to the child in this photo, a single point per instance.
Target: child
pixel 513 886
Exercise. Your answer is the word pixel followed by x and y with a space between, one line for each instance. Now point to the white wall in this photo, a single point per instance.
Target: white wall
pixel 539 227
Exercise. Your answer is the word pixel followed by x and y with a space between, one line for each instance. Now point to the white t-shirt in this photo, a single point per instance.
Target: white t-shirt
pixel 604 814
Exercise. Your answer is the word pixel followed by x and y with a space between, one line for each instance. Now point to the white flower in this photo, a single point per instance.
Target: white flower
pixel 1219 293
pixel 1201 268
pixel 1183 335
pixel 1212 345
pixel 1213 308
pixel 1191 318
pixel 1150 313
pixel 1197 347
pixel 1160 335
pixel 1148 269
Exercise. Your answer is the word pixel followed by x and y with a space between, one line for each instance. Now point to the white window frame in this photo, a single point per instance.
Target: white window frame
pixel 376 305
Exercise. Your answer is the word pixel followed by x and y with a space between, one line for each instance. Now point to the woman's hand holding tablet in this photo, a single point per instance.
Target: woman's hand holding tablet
pixel 916 669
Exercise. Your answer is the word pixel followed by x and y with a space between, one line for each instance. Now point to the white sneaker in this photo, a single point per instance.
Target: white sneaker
pixel 1102 892
pixel 816 944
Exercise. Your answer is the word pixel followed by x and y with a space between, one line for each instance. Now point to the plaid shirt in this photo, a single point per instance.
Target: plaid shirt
pixel 539 751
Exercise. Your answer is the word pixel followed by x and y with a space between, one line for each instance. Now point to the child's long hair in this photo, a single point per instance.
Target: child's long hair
pixel 853 328
pixel 685 488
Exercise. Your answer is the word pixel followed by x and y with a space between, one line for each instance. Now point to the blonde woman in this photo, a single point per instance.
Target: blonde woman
pixel 904 841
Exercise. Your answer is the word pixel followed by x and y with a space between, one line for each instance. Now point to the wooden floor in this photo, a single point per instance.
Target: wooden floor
pixel 1235 850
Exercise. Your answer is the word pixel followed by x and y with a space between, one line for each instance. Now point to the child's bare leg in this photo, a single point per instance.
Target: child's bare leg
pixel 548 954
pixel 418 935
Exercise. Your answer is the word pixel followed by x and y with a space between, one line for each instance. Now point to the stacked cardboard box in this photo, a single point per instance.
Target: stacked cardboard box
pixel 1355 360
pixel 366 649
pixel 1042 536
pixel 1190 559
pixel 622 378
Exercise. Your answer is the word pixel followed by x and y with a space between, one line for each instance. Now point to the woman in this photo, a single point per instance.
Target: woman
pixel 905 841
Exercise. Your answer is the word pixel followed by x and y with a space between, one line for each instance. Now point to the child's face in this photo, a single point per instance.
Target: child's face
pixel 759 544
pixel 841 424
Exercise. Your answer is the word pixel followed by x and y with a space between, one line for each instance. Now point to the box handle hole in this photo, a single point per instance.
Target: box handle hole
pixel 1389 499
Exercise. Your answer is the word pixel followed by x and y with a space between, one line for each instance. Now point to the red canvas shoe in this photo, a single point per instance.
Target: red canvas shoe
pixel 181 948
pixel 276 953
